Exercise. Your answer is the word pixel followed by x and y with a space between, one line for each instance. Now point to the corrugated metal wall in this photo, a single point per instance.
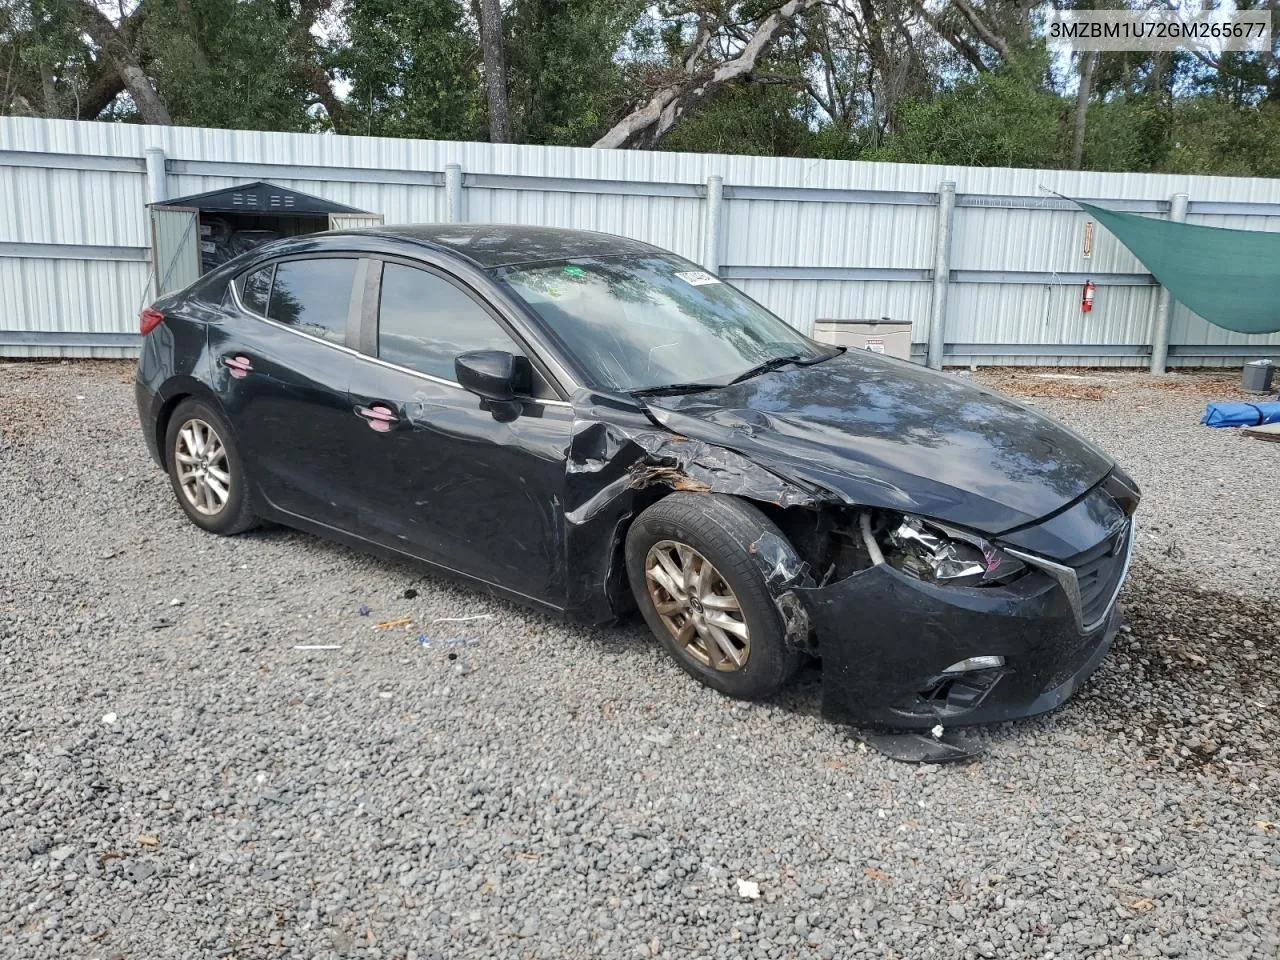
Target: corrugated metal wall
pixel 812 239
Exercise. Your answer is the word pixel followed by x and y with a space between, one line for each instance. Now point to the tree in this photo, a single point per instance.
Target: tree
pixel 413 70
pixel 235 47
pixel 956 81
pixel 233 63
pixel 53 70
pixel 723 48
pixel 116 48
pixel 495 71
pixel 999 118
pixel 1088 60
pixel 564 79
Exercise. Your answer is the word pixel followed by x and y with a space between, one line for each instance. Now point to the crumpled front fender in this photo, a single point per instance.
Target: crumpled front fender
pixel 619 461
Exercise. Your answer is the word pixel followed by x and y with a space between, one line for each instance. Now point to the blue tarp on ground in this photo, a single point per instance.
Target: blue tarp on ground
pixel 1240 414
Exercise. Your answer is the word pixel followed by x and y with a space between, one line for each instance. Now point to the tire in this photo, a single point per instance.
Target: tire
pixel 717 530
pixel 205 508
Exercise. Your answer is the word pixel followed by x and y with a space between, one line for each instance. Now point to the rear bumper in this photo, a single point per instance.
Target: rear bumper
pixel 148 408
pixel 886 641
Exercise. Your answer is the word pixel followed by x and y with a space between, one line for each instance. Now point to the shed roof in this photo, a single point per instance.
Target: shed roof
pixel 260 198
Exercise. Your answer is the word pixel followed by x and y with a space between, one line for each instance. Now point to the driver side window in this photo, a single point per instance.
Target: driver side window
pixel 424 322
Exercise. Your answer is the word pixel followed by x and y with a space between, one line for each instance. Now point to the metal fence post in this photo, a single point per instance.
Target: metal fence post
pixel 941 273
pixel 714 225
pixel 157 179
pixel 453 191
pixel 1164 311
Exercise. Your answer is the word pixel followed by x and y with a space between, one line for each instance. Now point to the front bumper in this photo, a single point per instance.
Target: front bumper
pixel 886 641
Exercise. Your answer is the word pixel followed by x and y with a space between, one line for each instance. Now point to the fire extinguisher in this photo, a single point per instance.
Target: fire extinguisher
pixel 1086 299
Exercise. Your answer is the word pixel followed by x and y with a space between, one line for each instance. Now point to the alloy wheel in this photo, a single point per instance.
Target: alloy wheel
pixel 697 606
pixel 204 475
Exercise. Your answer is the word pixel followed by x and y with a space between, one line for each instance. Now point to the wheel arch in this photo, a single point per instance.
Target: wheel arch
pixel 169 397
pixel 781 563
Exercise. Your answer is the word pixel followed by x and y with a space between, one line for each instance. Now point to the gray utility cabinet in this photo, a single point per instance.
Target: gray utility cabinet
pixel 890 337
pixel 192 235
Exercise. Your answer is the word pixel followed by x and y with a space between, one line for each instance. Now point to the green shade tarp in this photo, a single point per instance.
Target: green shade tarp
pixel 1229 277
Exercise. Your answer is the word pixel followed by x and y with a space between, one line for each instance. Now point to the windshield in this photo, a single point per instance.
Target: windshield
pixel 637 323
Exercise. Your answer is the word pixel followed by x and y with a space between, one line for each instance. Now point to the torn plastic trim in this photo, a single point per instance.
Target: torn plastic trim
pixel 783 571
pixel 949 746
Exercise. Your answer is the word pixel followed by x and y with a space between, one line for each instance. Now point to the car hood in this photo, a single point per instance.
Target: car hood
pixel 883 432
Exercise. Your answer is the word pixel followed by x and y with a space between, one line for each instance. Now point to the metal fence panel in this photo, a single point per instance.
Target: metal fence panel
pixel 809 238
pixel 796 233
pixel 71 296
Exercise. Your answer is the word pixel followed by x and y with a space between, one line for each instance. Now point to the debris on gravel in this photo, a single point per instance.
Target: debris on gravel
pixel 551 790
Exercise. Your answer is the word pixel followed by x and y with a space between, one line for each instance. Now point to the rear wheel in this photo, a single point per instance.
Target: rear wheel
pixel 205 469
pixel 703 595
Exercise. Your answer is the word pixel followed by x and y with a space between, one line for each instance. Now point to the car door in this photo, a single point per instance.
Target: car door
pixel 446 479
pixel 283 362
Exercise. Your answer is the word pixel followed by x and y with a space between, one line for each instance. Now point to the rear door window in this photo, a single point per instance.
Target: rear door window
pixel 313 296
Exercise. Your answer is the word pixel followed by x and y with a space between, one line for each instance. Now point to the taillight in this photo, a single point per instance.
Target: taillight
pixel 149 319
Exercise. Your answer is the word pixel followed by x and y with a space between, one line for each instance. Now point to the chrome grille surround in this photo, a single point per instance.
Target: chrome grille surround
pixel 1093 586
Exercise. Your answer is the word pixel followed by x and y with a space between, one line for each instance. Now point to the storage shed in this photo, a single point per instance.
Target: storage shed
pixel 191 235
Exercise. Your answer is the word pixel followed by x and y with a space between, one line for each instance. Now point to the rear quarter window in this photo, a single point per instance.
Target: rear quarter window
pixel 255 289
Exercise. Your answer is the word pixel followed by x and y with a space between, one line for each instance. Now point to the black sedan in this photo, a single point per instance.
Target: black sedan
pixel 589 424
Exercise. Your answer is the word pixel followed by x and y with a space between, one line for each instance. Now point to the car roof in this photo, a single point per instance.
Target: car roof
pixel 500 245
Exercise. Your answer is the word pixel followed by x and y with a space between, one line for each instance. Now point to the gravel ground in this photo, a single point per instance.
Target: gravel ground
pixel 179 780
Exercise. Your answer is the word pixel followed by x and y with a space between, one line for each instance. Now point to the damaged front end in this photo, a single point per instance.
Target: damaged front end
pixel 620 461
pixel 946 628
pixel 917 623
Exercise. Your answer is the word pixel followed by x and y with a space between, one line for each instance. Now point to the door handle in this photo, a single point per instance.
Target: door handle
pixel 239 366
pixel 379 417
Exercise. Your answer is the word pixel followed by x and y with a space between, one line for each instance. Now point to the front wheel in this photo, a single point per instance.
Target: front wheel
pixel 205 469
pixel 703 595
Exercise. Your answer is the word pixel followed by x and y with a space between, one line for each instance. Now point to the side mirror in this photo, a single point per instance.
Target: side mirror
pixel 489 374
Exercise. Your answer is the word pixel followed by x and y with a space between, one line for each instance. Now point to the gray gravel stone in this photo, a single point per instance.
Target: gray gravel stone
pixel 573 793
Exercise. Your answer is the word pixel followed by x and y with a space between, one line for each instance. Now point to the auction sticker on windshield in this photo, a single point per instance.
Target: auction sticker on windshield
pixel 697 278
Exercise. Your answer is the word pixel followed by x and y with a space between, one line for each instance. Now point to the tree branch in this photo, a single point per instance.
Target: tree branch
pixel 309 66
pixel 100 95
pixel 987 35
pixel 647 124
pixel 953 39
pixel 114 47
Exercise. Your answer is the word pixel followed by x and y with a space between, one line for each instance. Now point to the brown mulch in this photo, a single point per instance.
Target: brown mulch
pixel 1099 384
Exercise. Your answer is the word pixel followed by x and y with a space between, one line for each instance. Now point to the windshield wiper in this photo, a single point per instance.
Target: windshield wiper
pixel 672 389
pixel 773 363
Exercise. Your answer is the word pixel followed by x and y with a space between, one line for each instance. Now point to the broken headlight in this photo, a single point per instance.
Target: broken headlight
pixel 940 554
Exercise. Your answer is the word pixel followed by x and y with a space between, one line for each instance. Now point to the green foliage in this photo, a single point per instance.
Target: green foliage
pixel 45 55
pixel 565 84
pixel 874 80
pixel 414 71
pixel 748 119
pixel 1129 133
pixel 1003 118
pixel 219 63
pixel 1210 136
